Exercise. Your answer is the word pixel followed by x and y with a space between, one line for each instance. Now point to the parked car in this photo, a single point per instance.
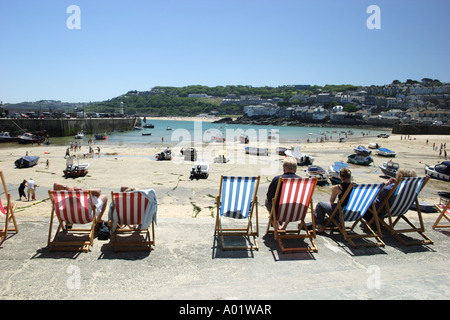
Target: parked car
pixel 383 135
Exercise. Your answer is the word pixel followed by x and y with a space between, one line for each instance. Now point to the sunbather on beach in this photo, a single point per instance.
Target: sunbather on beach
pixel 324 208
pixel 98 199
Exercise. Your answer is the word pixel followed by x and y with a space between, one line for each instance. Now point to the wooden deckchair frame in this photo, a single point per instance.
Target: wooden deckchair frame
pixel 281 235
pixel 66 245
pixel 348 232
pixel 391 224
pixel 443 208
pixel 119 245
pixel 10 209
pixel 251 230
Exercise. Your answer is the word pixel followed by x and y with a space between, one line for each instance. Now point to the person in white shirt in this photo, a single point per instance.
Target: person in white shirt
pixel 31 187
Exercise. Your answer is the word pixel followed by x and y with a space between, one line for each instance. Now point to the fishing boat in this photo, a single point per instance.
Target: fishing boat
pixel 385 152
pixel 146 133
pixel 389 168
pixel 374 145
pixel 169 128
pixel 5 137
pixel 243 138
pixel 257 151
pixel 302 159
pixel 222 157
pixel 190 154
pixel 75 170
pixel 281 151
pixel 359 159
pixel 363 151
pixel 317 172
pixel 26 162
pixel 100 136
pixel 441 171
pixel 148 125
pixel 30 138
pixel 333 171
pixel 165 155
pixel 200 170
pixel 137 128
pixel 79 135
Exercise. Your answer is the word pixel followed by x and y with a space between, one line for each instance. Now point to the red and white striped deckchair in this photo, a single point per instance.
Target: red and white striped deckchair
pixel 7 211
pixel 293 199
pixel 444 211
pixel 71 208
pixel 129 210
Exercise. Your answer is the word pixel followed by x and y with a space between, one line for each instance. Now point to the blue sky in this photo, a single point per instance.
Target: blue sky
pixel 139 44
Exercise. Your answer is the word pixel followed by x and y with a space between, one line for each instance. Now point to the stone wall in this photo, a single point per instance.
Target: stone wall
pixel 420 129
pixel 67 127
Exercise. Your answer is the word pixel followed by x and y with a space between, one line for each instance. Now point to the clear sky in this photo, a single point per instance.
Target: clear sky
pixel 138 44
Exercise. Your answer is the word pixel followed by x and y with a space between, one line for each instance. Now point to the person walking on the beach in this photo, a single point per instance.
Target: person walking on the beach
pixel 31 191
pixel 22 189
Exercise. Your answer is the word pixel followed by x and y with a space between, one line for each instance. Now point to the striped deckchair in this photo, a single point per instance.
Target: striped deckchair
pixel 360 199
pixel 237 200
pixel 130 215
pixel 398 202
pixel 444 212
pixel 71 208
pixel 293 198
pixel 8 212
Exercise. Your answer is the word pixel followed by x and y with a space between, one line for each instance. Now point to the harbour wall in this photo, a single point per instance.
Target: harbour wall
pixel 421 129
pixel 67 127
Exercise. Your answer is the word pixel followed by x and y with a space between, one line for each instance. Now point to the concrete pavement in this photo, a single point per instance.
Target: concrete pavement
pixel 187 263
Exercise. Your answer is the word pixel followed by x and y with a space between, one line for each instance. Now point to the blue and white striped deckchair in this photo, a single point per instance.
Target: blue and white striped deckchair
pixel 398 202
pixel 360 199
pixel 238 200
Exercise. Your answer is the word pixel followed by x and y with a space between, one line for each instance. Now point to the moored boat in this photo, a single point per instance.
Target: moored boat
pixel 333 171
pixel 30 138
pixel 441 171
pixel 79 135
pixel 75 170
pixel 26 162
pixel 100 136
pixel 302 159
pixel 200 170
pixel 257 151
pixel 5 137
pixel 148 125
pixel 363 151
pixel 317 172
pixel 389 168
pixel 374 145
pixel 385 152
pixel 359 159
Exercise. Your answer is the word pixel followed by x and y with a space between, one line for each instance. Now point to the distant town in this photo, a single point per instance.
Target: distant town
pixel 419 102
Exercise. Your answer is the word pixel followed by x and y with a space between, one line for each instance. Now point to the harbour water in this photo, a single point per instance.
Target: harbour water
pixel 205 131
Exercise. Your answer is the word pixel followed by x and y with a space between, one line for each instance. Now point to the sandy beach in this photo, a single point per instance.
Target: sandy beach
pixel 178 196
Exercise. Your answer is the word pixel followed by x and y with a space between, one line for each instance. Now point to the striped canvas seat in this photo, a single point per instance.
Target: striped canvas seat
pixel 133 214
pixel 361 198
pixel 398 202
pixel 237 195
pixel 71 208
pixel 293 199
pixel 237 200
pixel 444 212
pixel 7 209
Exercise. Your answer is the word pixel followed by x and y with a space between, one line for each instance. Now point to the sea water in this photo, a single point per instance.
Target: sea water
pixel 173 132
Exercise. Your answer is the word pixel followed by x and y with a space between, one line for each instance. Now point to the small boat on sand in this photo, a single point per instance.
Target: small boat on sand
pixel 333 171
pixel 385 152
pixel 361 150
pixel 200 170
pixel 5 137
pixel 441 171
pixel 389 168
pixel 359 159
pixel 257 151
pixel 302 159
pixel 317 172
pixel 26 162
pixel 75 170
